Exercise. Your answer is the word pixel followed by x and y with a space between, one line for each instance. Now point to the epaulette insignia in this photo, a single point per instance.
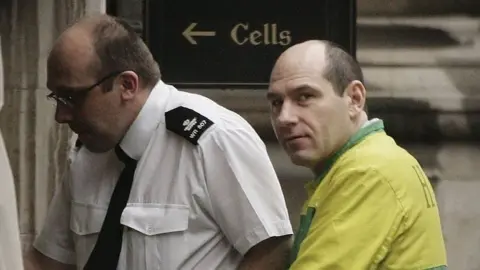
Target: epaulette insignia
pixel 187 123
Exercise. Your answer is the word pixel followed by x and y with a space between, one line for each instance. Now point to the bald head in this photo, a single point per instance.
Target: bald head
pixel 100 45
pixel 320 57
pixel 72 52
pixel 306 55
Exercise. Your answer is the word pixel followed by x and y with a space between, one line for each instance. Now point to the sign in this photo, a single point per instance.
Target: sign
pixel 234 44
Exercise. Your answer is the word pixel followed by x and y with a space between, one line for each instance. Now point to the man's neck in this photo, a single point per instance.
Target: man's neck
pixel 361 121
pixel 138 104
pixel 133 110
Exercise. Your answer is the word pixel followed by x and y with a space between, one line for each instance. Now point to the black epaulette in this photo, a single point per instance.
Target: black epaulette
pixel 187 123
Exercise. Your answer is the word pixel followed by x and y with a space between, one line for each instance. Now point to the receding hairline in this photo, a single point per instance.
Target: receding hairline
pixel 308 56
pixel 324 58
pixel 312 49
pixel 113 45
pixel 74 45
pixel 88 25
pixel 306 49
pixel 326 49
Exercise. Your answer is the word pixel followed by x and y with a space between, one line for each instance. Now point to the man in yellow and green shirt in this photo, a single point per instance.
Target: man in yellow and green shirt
pixel 370 205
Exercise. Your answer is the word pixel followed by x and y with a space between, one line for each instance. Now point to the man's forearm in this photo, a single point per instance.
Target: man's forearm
pixel 270 254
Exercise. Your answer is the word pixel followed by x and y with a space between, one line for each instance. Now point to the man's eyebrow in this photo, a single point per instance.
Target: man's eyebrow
pixel 296 90
pixel 271 95
pixel 301 88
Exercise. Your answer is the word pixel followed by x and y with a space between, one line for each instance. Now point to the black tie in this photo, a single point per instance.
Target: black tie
pixel 106 252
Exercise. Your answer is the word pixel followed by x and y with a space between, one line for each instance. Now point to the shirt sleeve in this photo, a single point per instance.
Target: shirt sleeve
pixel 246 197
pixel 354 223
pixel 55 240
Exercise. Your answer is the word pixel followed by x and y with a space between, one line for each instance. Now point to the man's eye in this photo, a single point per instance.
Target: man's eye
pixel 304 97
pixel 63 99
pixel 68 99
pixel 276 103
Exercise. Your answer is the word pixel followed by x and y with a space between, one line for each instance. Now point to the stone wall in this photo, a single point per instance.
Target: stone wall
pixel 36 145
pixel 416 7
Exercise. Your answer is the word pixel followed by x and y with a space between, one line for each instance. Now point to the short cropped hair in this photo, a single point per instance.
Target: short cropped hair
pixel 119 48
pixel 341 68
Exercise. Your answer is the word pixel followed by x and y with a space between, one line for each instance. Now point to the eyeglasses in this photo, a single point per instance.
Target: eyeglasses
pixel 76 92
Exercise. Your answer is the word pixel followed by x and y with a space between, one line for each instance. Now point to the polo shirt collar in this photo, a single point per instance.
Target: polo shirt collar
pixel 370 127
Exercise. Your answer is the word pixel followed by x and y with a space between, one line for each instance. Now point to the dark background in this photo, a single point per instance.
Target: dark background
pixel 218 62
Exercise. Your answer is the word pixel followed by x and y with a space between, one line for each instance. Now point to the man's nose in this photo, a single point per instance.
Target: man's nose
pixel 63 114
pixel 288 115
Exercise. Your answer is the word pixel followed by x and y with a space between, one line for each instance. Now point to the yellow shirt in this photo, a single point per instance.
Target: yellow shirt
pixel 373 208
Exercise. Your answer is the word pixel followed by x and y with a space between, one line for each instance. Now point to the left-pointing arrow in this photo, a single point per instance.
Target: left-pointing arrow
pixel 189 33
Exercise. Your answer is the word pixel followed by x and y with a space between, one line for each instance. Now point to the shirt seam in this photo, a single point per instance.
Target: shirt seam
pixel 389 239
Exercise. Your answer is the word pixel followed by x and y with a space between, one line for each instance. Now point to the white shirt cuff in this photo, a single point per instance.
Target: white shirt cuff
pixel 257 235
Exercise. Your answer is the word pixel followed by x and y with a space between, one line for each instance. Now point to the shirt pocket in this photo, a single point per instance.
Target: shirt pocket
pixel 85 222
pixel 155 235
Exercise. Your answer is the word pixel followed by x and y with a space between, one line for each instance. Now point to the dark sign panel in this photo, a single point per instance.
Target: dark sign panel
pixel 234 44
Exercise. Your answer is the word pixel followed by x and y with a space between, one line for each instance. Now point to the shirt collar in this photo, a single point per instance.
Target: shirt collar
pixel 371 121
pixel 140 132
pixel 372 126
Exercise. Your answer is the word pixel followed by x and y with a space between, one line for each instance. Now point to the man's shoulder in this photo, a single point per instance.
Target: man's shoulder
pixel 188 123
pixel 193 117
pixel 203 105
pixel 379 152
pixel 377 161
pixel 384 161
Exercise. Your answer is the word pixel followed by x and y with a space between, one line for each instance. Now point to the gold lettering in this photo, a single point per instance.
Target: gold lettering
pixel 234 33
pixel 285 38
pixel 274 34
pixel 254 37
pixel 242 35
pixel 266 32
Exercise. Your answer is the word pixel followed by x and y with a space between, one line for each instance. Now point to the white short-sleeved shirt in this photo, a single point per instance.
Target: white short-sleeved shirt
pixel 10 250
pixel 204 191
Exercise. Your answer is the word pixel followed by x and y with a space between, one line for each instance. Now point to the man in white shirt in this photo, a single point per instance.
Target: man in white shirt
pixel 10 250
pixel 163 179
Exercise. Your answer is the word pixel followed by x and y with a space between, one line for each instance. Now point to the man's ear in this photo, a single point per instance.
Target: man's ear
pixel 356 94
pixel 129 84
